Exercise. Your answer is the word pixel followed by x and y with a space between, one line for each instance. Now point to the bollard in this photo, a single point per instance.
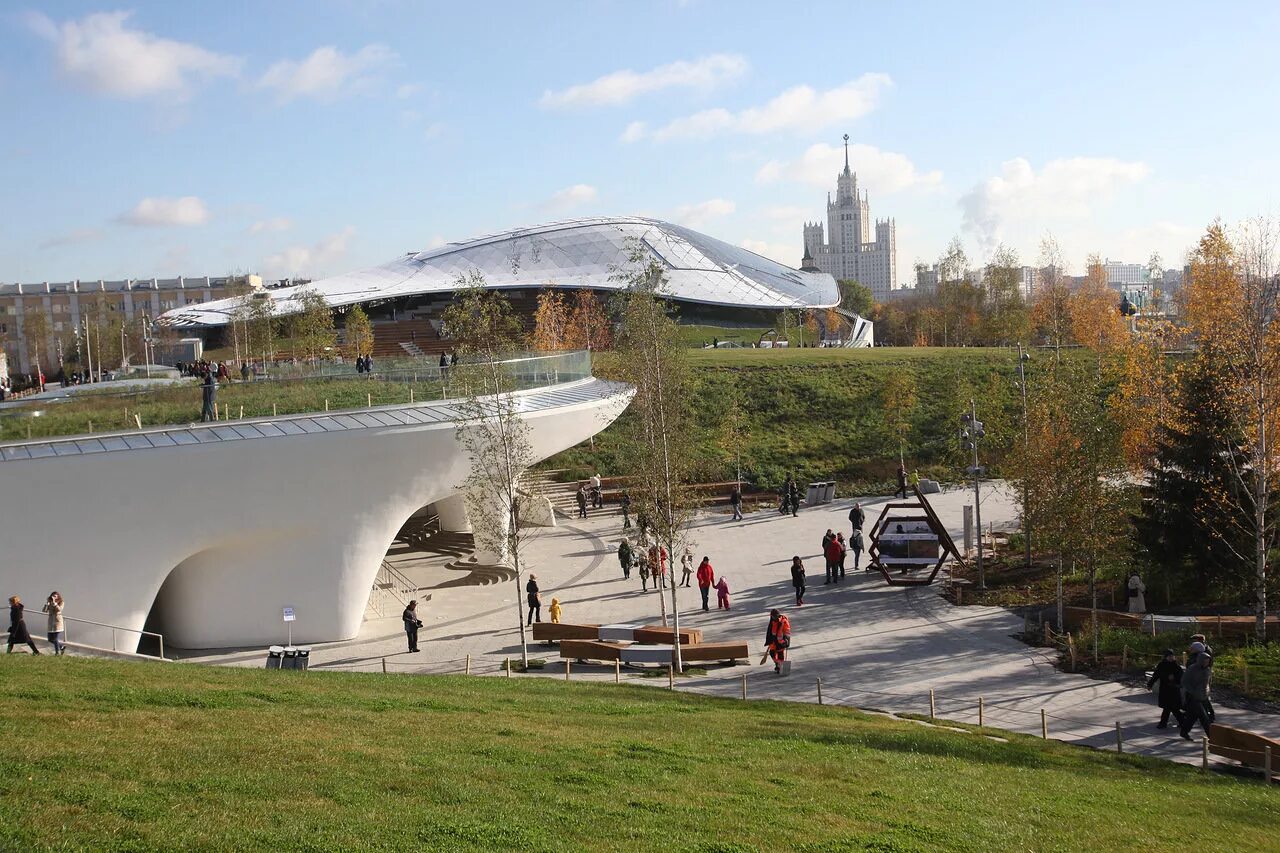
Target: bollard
pixel 1044 726
pixel 979 712
pixel 508 667
pixel 368 400
pixel 932 707
pixel 411 396
pixel 137 419
pixel 273 410
pixel 671 676
pixel 1119 738
pixel 326 404
pixel 744 687
pixel 468 664
pixel 1204 753
pixel 819 691
pixel 1266 764
pixel 567 668
pixel 242 413
pixel 617 672
pixel 384 666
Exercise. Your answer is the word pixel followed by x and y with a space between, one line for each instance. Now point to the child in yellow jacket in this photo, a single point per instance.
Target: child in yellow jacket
pixel 555 610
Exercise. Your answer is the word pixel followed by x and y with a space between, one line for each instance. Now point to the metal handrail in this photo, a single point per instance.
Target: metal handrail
pixel 115 628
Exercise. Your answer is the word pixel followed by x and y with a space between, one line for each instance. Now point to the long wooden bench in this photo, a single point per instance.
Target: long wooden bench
pixel 549 632
pixel 590 650
pixel 653 653
pixel 715 651
pixel 1243 746
pixel 659 634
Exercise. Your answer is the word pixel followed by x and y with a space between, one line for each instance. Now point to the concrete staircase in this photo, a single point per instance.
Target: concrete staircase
pixel 561 495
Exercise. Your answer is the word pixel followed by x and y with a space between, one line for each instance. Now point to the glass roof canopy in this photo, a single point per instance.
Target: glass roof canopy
pixel 579 253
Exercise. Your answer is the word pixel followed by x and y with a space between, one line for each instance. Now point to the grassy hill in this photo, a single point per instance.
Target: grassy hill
pixel 819 412
pixel 121 756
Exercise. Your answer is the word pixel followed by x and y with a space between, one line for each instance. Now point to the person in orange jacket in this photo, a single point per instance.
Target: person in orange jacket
pixel 777 638
pixel 706 580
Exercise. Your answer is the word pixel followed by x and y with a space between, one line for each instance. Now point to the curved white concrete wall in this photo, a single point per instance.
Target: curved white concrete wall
pixel 247 527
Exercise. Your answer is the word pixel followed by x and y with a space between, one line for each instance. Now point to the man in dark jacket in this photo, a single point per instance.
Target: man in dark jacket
pixel 826 553
pixel 1168 674
pixel 735 503
pixel 902 481
pixel 582 502
pixel 411 624
pixel 624 503
pixel 855 544
pixel 790 496
pixel 209 390
pixel 1195 692
pixel 535 599
pixel 856 516
pixel 624 558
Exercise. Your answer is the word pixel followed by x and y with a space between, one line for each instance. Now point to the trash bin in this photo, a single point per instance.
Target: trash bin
pixel 302 658
pixel 829 492
pixel 814 495
pixel 290 658
pixel 274 654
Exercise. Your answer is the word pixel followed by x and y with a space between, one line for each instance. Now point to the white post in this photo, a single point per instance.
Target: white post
pixel 932 706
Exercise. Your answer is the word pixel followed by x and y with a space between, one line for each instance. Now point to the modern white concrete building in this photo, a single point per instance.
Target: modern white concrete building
pixel 209 531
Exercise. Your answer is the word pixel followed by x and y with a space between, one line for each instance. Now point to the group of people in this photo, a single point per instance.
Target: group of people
pixel 447 361
pixel 1184 692
pixel 592 492
pixel 364 364
pixel 18 633
pixel 219 370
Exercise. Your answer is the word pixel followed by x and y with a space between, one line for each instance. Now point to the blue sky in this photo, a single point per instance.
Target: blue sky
pixel 292 138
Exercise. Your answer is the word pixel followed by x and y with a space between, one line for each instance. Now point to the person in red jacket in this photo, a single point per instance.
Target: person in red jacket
pixel 777 638
pixel 835 556
pixel 706 580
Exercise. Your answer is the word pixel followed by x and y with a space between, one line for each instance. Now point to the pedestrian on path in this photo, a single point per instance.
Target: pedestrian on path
pixel 1137 594
pixel 844 549
pixel 735 503
pixel 597 492
pixel 777 638
pixel 1195 692
pixel 411 624
pixel 797 579
pixel 555 610
pixel 722 594
pixel 857 517
pixel 56 628
pixel 658 566
pixel 209 393
pixel 856 542
pixel 582 502
pixel 686 566
pixel 535 600
pixel 624 503
pixel 706 580
pixel 625 556
pixel 1168 674
pixel 902 481
pixel 790 496
pixel 827 539
pixel 644 574
pixel 835 556
pixel 18 633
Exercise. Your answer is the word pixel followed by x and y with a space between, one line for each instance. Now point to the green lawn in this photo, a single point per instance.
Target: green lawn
pixel 124 756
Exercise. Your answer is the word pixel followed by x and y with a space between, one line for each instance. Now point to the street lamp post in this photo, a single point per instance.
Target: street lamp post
pixel 970 433
pixel 1023 358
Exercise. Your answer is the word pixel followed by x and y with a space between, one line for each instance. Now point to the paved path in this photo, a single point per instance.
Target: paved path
pixel 873 646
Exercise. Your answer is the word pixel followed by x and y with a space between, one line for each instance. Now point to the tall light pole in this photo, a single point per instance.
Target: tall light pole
pixel 1023 358
pixel 970 433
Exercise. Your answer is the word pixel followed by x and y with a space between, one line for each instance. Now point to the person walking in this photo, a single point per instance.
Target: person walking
pixel 686 566
pixel 582 501
pixel 857 517
pixel 18 633
pixel 209 394
pixel 555 610
pixel 1198 647
pixel 844 549
pixel 706 580
pixel 625 557
pixel 1136 590
pixel 832 552
pixel 57 630
pixel 1195 693
pixel 597 492
pixel 722 594
pixel 1168 673
pixel 535 599
pixel 855 542
pixel 797 579
pixel 791 496
pixel 624 504
pixel 735 503
pixel 777 638
pixel 411 624
pixel 902 481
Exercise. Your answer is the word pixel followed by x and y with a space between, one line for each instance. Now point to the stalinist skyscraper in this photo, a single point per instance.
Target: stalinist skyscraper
pixel 848 252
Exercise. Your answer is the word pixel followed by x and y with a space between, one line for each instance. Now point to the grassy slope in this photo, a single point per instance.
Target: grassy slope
pixel 141 756
pixel 819 411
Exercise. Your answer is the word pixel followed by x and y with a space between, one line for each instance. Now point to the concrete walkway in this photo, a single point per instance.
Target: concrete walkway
pixel 872 645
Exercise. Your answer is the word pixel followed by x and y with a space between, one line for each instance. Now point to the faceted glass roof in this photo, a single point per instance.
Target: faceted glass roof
pixel 579 253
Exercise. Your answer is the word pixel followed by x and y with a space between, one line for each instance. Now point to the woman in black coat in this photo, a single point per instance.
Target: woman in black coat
pixel 797 579
pixel 1169 675
pixel 18 627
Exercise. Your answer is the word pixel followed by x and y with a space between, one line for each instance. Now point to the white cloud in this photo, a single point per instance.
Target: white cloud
pixel 436 242
pixel 1063 189
pixel 308 260
pixel 408 90
pixel 569 198
pixel 101 54
pixel 326 73
pixel 433 131
pixel 268 226
pixel 72 238
pixel 789 213
pixel 878 171
pixel 187 210
pixel 798 108
pixel 704 73
pixel 783 253
pixel 696 215
pixel 634 132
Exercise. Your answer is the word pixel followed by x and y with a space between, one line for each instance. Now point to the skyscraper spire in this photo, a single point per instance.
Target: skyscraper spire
pixel 846 153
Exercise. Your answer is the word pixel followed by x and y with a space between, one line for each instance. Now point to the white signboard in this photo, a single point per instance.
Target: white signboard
pixel 289 615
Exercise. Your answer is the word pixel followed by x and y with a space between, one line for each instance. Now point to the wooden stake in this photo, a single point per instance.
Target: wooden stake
pixel 384 666
pixel 508 667
pixel 411 396
pixel 617 672
pixel 242 413
pixel 326 404
pixel 137 419
pixel 932 707
pixel 368 400
pixel 1204 753
pixel 744 687
pixel 819 691
pixel 979 712
pixel 1266 764
pixel 566 668
pixel 468 664
pixel 1119 738
pixel 1044 725
pixel 91 433
pixel 273 410
pixel 671 676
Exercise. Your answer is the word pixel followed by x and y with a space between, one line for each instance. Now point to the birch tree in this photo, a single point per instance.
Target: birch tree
pixel 660 450
pixel 491 431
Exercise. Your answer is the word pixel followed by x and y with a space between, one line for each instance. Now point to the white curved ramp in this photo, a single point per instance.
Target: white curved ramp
pixel 244 518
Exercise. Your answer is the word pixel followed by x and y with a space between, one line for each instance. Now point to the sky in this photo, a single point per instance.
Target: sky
pixel 293 138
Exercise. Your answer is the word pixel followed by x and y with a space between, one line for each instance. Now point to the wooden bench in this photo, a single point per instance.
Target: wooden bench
pixel 548 632
pixel 590 650
pixel 1238 627
pixel 1078 617
pixel 1243 746
pixel 715 651
pixel 652 653
pixel 659 634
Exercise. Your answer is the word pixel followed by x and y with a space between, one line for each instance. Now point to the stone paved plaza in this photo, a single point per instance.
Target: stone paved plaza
pixel 872 645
